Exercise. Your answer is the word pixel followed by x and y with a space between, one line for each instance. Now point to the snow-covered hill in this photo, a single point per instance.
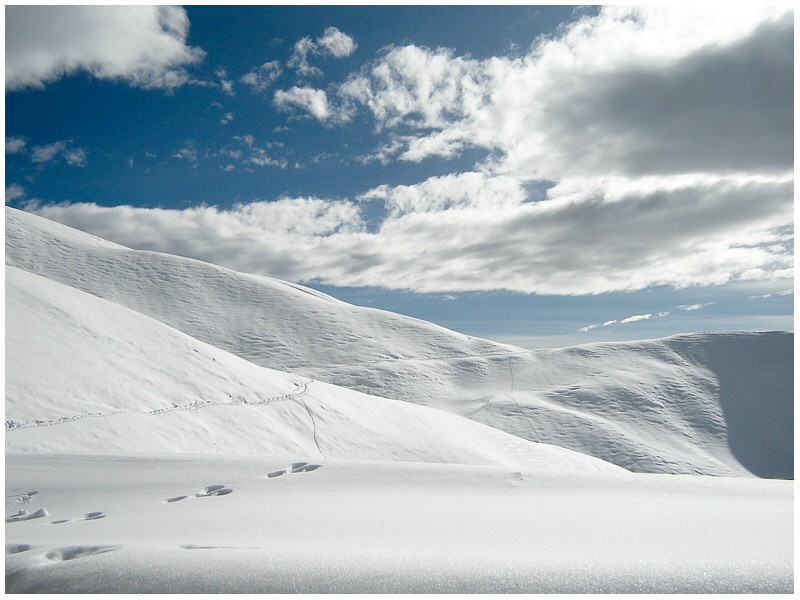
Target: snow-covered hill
pixel 151 448
pixel 87 375
pixel 718 404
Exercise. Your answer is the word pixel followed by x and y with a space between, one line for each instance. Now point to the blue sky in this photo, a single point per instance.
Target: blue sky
pixel 540 175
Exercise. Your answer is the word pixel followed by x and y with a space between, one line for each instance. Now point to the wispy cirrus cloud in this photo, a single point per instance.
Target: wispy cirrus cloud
pixel 142 45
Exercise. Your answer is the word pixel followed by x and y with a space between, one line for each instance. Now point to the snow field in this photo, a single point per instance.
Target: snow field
pixel 383 527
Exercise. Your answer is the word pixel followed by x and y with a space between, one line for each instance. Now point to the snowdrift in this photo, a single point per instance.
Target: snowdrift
pixel 716 404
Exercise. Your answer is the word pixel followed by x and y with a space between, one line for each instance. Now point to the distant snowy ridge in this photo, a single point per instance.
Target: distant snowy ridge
pixel 719 404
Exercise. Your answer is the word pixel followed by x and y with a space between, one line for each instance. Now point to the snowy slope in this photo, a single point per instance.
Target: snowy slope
pixel 717 404
pixel 87 375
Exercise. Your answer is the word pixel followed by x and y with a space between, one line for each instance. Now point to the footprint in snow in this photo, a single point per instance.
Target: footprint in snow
pixel 90 516
pixel 19 498
pixel 209 490
pixel 298 467
pixel 23 515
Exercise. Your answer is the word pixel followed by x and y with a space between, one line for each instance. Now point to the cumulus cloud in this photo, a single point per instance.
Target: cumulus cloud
pixel 632 92
pixel 336 43
pixel 333 43
pixel 261 78
pixel 313 101
pixel 142 45
pixel 248 153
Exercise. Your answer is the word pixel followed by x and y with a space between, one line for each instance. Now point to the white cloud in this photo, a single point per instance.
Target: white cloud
pixel 631 92
pixel 299 58
pixel 336 43
pixel 187 153
pixel 479 232
pixel 226 118
pixel 306 98
pixel 261 78
pixel 14 191
pixel 246 139
pixel 15 144
pixel 225 84
pixel 143 45
pixel 333 43
pixel 692 307
pixel 419 87
pixel 664 138
pixel 75 157
pixel 635 318
pixel 43 154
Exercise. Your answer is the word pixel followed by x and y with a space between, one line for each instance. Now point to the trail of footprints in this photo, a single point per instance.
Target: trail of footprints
pixel 72 552
pixel 298 467
pixel 209 490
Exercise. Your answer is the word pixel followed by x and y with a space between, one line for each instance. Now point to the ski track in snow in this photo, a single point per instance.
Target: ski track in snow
pixel 301 383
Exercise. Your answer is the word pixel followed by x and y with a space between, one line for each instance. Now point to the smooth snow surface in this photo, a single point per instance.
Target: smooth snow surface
pixel 716 404
pixel 167 430
pixel 352 527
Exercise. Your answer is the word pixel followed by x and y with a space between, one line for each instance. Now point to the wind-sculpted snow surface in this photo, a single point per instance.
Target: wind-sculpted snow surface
pixel 718 404
pixel 87 375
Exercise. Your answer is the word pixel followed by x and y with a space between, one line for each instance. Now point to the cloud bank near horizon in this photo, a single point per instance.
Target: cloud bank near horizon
pixel 666 137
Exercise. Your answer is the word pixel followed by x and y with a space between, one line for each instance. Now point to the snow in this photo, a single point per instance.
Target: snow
pixel 385 527
pixel 172 426
pixel 662 406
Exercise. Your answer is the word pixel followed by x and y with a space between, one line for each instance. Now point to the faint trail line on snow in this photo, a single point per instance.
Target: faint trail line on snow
pixel 301 383
pixel 314 426
pixel 517 404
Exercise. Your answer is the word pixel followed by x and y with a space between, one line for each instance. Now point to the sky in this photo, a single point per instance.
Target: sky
pixel 539 175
